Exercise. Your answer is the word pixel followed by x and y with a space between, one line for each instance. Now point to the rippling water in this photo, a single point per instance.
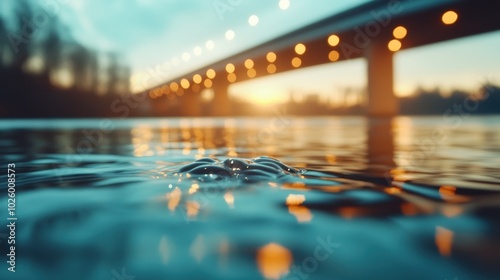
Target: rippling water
pixel 249 198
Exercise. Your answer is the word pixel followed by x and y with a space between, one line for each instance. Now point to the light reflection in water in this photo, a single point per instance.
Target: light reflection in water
pixel 295 199
pixel 173 198
pixel 192 208
pixel 229 198
pixel 346 189
pixel 295 207
pixel 274 260
pixel 198 248
pixel 164 248
pixel 302 213
pixel 444 241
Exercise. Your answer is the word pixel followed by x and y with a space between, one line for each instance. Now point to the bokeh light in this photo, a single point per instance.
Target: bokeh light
pixel 271 57
pixel 333 56
pixel 399 32
pixel 394 45
pixel 296 62
pixel 333 40
pixel 450 17
pixel 230 35
pixel 253 20
pixel 300 49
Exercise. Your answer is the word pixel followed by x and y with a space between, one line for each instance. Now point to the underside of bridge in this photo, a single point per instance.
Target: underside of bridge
pixel 362 32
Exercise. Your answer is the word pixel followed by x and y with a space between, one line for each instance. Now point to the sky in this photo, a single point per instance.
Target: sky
pixel 165 38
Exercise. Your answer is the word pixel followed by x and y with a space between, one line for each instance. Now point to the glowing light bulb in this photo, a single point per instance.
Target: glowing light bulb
pixel 284 4
pixel 333 40
pixel 230 68
pixel 399 32
pixel 230 35
pixel 296 62
pixel 253 20
pixel 300 48
pixel 450 17
pixel 334 56
pixel 211 73
pixel 249 63
pixel 394 45
pixel 271 57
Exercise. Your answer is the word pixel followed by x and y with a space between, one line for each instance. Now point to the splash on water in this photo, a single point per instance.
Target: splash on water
pixel 237 170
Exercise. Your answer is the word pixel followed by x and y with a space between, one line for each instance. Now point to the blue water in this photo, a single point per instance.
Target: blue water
pixel 253 198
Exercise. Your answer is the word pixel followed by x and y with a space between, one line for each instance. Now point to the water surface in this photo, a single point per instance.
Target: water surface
pixel 255 198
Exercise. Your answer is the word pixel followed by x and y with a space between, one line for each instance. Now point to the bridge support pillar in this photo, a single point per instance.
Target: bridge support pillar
pixel 381 99
pixel 190 104
pixel 220 102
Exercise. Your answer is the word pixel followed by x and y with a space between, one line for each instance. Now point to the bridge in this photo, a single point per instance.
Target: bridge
pixel 374 31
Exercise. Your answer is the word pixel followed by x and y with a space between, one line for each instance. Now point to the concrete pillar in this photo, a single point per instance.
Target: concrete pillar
pixel 380 147
pixel 220 102
pixel 190 103
pixel 381 99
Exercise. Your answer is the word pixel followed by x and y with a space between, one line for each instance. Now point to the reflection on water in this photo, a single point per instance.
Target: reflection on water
pixel 282 198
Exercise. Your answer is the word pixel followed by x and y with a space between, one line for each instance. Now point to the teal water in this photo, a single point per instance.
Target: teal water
pixel 254 198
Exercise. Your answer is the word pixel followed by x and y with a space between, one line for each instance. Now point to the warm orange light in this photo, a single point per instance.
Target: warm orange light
pixel 197 79
pixel 155 92
pixel 207 83
pixel 174 86
pixel 174 197
pixel 192 208
pixel 249 63
pixel 165 89
pixel 451 210
pixel 195 88
pixel 333 40
pixel 231 77
pixel 295 186
pixel 230 68
pixel 300 49
pixel 392 190
pixel 296 62
pixel 185 84
pixel 179 92
pixel 331 158
pixel 251 73
pixel 271 57
pixel 229 198
pixel 444 241
pixel 211 73
pixel 334 56
pixel 274 260
pixel 302 213
pixel 295 199
pixel 450 17
pixel 447 192
pixel 399 32
pixel 194 188
pixel 394 45
pixel 409 209
pixel 271 69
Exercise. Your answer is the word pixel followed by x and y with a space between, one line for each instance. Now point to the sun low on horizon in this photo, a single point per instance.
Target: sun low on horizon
pixel 261 96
